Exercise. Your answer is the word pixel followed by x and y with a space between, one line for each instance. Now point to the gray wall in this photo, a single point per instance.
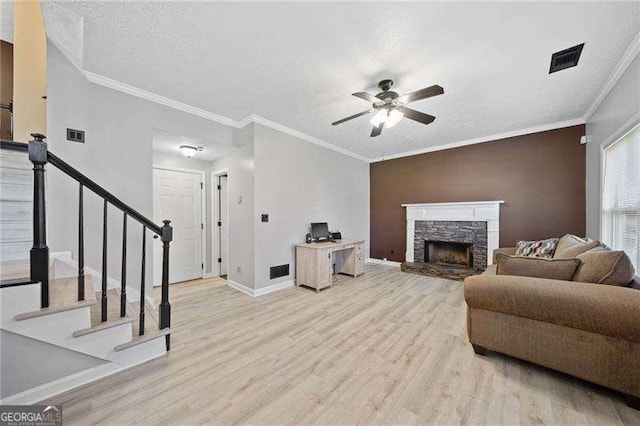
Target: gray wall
pixel 618 113
pixel 117 154
pixel 27 363
pixel 296 183
pixel 181 162
pixel 241 214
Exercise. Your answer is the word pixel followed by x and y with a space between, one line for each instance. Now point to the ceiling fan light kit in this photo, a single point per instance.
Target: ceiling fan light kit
pixel 390 106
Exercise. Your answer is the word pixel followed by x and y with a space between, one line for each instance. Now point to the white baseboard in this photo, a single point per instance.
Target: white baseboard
pixel 48 390
pixel 240 287
pixel 261 291
pixel 275 287
pixel 210 275
pixel 382 262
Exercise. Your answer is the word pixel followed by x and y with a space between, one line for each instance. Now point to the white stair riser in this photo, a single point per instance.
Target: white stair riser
pixel 10 175
pixel 100 344
pixel 17 300
pixel 15 160
pixel 15 251
pixel 15 211
pixel 17 231
pixel 16 191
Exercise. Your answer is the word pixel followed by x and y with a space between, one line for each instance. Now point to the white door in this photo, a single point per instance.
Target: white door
pixel 177 196
pixel 224 214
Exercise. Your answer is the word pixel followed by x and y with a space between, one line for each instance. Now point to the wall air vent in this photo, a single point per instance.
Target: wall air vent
pixel 565 58
pixel 278 271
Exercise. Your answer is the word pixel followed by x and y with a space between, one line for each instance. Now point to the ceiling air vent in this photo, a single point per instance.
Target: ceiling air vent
pixel 565 58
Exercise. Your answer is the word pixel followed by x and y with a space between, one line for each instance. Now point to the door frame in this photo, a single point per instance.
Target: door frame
pixel 203 208
pixel 215 230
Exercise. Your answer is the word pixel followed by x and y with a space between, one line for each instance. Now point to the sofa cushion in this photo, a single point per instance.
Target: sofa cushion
pixel 554 269
pixel 602 266
pixel 543 248
pixel 570 246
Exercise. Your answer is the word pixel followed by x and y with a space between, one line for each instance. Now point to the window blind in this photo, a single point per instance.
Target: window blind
pixel 621 196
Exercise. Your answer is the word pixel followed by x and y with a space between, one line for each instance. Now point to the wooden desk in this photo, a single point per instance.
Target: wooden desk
pixel 314 262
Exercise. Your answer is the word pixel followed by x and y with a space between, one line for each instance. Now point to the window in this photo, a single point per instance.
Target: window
pixel 621 196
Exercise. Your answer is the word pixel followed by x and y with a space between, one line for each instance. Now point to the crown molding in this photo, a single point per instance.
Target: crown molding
pixel 284 129
pixel 490 138
pixel 190 109
pixel 153 97
pixel 253 118
pixel 622 65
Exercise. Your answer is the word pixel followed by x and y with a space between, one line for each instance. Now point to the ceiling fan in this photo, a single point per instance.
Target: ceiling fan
pixel 389 106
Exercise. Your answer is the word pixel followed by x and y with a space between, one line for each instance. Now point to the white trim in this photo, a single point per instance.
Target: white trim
pixel 203 211
pixel 271 288
pixel 215 237
pixel 240 287
pixel 190 109
pixel 482 211
pixel 47 390
pixel 627 127
pixel 622 65
pixel 490 138
pixel 462 203
pixel 152 97
pixel 382 262
pixel 261 291
pixel 284 129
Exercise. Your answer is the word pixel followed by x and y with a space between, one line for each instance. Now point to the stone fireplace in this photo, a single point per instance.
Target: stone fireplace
pixel 451 240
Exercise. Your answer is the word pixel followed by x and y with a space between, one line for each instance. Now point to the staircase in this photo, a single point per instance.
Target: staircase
pixel 53 298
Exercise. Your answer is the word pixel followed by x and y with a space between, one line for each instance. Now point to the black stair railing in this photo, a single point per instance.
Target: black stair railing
pixel 39 255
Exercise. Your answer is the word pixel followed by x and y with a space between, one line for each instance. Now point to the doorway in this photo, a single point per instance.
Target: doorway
pixel 221 226
pixel 177 195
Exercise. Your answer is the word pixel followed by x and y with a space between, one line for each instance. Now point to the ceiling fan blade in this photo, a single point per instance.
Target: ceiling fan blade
pixel 418 116
pixel 351 117
pixel 427 92
pixel 366 97
pixel 377 130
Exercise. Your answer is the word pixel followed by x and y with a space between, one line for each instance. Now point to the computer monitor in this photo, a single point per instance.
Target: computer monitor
pixel 320 231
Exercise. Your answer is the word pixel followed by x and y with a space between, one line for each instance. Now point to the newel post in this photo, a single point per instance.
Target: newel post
pixel 165 307
pixel 39 255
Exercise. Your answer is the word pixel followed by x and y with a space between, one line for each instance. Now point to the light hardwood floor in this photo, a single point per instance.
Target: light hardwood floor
pixel 386 348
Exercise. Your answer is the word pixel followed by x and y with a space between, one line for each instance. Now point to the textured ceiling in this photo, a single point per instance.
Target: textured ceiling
pixel 297 63
pixel 170 143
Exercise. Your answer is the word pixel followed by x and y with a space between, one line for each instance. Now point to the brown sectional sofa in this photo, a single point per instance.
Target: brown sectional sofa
pixel 590 331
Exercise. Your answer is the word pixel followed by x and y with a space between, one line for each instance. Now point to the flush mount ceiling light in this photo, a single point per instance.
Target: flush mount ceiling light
pixel 190 150
pixel 390 106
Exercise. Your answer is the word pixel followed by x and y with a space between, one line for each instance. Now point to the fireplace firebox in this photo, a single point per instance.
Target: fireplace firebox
pixel 448 253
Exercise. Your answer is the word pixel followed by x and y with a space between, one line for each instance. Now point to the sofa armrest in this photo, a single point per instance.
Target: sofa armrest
pixel 603 309
pixel 511 251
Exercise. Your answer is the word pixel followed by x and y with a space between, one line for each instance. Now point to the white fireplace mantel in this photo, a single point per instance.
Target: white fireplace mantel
pixel 482 211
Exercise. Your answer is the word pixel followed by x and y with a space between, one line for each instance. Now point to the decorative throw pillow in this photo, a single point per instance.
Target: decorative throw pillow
pixel 554 269
pixel 543 248
pixel 571 246
pixel 603 266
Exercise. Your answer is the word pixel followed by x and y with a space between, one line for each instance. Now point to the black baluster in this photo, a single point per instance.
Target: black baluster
pixel 144 244
pixel 80 245
pixel 39 255
pixel 123 277
pixel 165 307
pixel 104 263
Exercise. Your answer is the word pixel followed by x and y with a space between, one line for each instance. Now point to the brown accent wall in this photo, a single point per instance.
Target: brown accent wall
pixel 540 176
